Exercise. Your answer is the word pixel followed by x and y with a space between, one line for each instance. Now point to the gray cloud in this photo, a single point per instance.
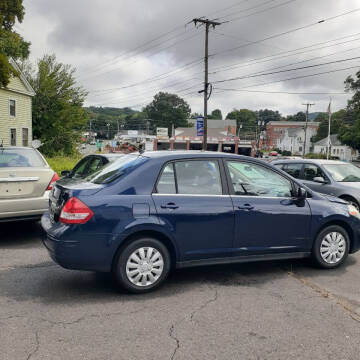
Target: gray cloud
pixel 98 37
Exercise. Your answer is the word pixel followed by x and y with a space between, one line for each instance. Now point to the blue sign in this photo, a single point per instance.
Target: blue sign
pixel 200 126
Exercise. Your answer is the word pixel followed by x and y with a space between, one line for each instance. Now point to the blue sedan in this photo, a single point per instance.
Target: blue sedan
pixel 145 214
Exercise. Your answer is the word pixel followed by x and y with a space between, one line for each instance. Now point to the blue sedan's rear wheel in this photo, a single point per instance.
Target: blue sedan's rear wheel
pixel 331 247
pixel 142 265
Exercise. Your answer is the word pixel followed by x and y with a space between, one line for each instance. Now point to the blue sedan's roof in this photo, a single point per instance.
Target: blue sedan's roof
pixel 176 154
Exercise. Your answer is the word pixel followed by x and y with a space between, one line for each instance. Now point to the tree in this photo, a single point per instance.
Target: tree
pixel 266 115
pixel 167 109
pixel 58 113
pixel 300 116
pixel 215 114
pixel 11 43
pixel 244 117
pixel 350 129
pixel 336 121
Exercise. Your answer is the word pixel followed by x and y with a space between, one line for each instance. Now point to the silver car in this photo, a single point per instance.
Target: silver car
pixel 25 183
pixel 330 177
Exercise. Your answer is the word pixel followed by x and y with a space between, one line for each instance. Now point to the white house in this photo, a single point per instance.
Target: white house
pixel 337 149
pixel 292 139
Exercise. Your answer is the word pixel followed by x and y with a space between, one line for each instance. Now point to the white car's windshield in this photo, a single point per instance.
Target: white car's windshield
pixel 343 172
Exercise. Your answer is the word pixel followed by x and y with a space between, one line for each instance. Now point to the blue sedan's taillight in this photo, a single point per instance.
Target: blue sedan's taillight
pixel 75 212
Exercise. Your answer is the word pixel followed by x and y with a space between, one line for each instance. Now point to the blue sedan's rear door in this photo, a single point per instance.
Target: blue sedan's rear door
pixel 191 202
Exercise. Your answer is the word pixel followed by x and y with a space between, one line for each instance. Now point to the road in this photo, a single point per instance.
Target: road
pixel 273 310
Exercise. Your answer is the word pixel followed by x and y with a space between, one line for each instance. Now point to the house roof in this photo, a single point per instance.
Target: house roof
pixel 216 124
pixel 30 90
pixel 188 132
pixel 334 141
pixel 292 123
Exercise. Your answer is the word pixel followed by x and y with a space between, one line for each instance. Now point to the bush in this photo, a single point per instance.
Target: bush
pixel 315 156
pixel 61 163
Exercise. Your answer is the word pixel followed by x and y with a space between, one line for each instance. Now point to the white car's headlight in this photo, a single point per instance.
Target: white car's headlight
pixel 353 211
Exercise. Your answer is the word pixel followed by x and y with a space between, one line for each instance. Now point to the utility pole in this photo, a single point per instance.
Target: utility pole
pixel 306 124
pixel 207 24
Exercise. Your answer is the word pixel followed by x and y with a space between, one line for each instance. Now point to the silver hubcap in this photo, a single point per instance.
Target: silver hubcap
pixel 144 266
pixel 332 248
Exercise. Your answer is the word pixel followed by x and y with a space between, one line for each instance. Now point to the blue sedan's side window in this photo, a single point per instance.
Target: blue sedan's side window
pixel 198 177
pixel 166 184
pixel 255 180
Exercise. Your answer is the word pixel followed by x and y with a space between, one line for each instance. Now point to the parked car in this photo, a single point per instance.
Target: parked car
pixel 331 177
pixel 145 214
pixel 90 164
pixel 25 183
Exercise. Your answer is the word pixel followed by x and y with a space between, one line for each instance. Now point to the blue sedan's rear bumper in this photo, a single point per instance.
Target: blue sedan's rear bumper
pixel 87 253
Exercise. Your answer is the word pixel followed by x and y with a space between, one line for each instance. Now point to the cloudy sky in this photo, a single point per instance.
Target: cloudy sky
pixel 127 50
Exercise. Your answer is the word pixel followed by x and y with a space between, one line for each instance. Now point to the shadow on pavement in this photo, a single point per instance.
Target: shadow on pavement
pixel 20 234
pixel 51 284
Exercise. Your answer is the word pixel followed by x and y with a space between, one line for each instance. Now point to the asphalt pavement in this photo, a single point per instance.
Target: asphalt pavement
pixel 270 310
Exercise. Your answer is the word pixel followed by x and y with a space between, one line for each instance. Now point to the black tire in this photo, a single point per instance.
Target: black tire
pixel 120 265
pixel 316 253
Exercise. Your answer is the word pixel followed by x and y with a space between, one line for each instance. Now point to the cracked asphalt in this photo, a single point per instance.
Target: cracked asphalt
pixel 273 310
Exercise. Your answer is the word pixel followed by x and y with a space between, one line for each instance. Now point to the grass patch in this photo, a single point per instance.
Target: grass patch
pixel 60 163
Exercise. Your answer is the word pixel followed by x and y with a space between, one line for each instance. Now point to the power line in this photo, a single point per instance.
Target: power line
pixel 280 55
pixel 260 11
pixel 303 76
pixel 287 70
pixel 281 92
pixel 286 32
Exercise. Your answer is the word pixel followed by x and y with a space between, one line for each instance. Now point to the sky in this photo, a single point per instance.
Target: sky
pixel 125 51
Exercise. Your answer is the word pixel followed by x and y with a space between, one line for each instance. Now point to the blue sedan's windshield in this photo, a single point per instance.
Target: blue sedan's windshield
pixel 116 169
pixel 343 172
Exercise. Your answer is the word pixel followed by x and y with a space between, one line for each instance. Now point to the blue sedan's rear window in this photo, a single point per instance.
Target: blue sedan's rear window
pixel 116 169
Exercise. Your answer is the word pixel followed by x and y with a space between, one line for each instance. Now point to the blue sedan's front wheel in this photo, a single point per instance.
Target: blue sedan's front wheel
pixel 142 265
pixel 331 247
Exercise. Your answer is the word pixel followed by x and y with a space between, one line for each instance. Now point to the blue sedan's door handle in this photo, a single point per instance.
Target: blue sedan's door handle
pixel 245 207
pixel 169 205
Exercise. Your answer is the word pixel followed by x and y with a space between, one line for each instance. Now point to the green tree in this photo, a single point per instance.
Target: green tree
pixel 11 43
pixel 300 116
pixel 244 117
pixel 337 119
pixel 266 115
pixel 350 129
pixel 167 109
pixel 58 113
pixel 215 114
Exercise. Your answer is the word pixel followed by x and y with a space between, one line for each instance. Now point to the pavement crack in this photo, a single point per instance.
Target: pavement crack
pixel 191 318
pixel 37 346
pixel 90 316
pixel 177 341
pixel 204 305
pixel 340 301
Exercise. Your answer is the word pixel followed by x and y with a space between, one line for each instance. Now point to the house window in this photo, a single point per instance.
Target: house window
pixel 12 107
pixel 25 136
pixel 13 137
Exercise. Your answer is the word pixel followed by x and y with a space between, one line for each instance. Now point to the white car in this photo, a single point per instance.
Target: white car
pixel 25 183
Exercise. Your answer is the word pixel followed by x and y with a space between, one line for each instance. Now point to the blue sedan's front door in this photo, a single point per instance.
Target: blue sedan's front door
pixel 267 217
pixel 190 202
